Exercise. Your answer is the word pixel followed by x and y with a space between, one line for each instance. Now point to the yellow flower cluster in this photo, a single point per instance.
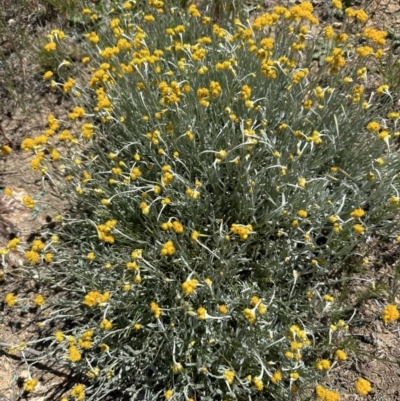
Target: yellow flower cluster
pixel 85 341
pixel 168 249
pixel 229 376
pixel 39 300
pixel 258 384
pixel 94 298
pixel 105 231
pixel 340 355
pixel 202 313
pixel 323 364
pixel 326 395
pixel 242 231
pixel 73 354
pixel 78 392
pixel 276 377
pixel 76 113
pixel 175 225
pixel 189 286
pixel 357 213
pixel 378 37
pixel 390 313
pixel 30 385
pixel 250 315
pixel 363 386
pixel 155 309
pixel 359 15
pixel 256 302
pixel 13 243
pixel 105 324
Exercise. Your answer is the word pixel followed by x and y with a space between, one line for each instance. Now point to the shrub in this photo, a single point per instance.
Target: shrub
pixel 218 183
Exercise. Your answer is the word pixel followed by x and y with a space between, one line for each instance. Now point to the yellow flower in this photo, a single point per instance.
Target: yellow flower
pixel 250 315
pixel 177 227
pixel 168 249
pixel 78 392
pixel 93 372
pixel 74 354
pixel 258 384
pixel 382 89
pixel 333 218
pixel 68 85
pixel 189 286
pixel 302 213
pixel 301 182
pixel 321 392
pixel 12 244
pixel 340 355
pixel 59 336
pixel 357 213
pixel 390 313
pixel 295 345
pixel 202 313
pixel 323 364
pixel 383 135
pixel 47 75
pixel 136 254
pixel 337 4
pixel 92 37
pixel 177 367
pixel 168 394
pixel 276 377
pixel 37 245
pixel 10 299
pixel 362 386
pixel 223 309
pixel 27 144
pixel 30 385
pixel 359 229
pixel 51 46
pixel 331 395
pixel 48 257
pixel 229 376
pixel 32 257
pixel 28 201
pixel 373 126
pixel 289 354
pixel 91 256
pixel 39 300
pixel 106 324
pixel 94 298
pixel 155 309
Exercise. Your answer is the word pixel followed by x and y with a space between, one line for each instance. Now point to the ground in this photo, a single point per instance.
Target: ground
pixel 25 105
